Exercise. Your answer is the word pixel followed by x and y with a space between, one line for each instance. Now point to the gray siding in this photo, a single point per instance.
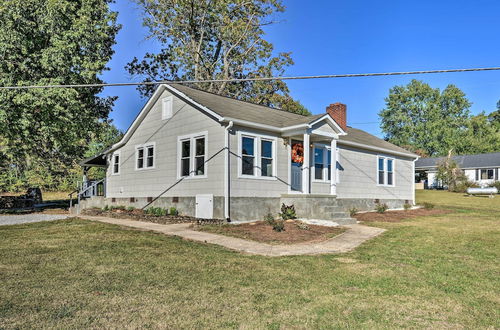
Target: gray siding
pixel 151 182
pixel 358 176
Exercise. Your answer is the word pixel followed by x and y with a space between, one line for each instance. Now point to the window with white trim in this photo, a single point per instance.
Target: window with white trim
pixel 487 174
pixel 385 171
pixel 166 107
pixel 116 163
pixel 322 164
pixel 257 156
pixel 145 156
pixel 192 155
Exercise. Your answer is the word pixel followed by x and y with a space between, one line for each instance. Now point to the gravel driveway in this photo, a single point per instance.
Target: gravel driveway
pixel 26 218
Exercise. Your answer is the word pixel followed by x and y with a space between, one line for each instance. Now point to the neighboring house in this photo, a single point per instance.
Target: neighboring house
pixel 214 156
pixel 482 169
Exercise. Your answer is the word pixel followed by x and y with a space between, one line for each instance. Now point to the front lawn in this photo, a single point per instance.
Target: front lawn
pixel 438 271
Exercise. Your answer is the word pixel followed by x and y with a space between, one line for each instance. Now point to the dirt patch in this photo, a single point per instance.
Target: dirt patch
pixel 140 215
pixel 260 231
pixel 397 216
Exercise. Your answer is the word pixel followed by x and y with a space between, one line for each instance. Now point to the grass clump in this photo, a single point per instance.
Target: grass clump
pixel 353 211
pixel 428 206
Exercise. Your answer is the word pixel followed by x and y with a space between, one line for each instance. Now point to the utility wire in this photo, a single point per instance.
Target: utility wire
pixel 351 75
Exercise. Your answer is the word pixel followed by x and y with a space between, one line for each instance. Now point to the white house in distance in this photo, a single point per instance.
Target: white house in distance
pixel 482 169
pixel 212 156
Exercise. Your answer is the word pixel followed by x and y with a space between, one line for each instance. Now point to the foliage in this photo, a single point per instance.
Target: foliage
pixel 407 206
pixel 450 173
pixel 269 219
pixel 43 131
pixel 303 226
pixel 430 122
pixel 428 206
pixel 156 211
pixel 173 211
pixel 381 208
pixel 130 208
pixel 288 212
pixel 105 208
pixel 278 225
pixel 202 40
pixel 496 184
pixel 462 186
pixel 353 211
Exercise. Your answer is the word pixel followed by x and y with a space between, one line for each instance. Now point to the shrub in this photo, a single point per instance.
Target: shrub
pixel 105 208
pixel 117 207
pixel 279 225
pixel 381 208
pixel 303 225
pixel 156 211
pixel 496 185
pixel 288 212
pixel 173 211
pixel 130 208
pixel 461 187
pixel 407 206
pixel 428 206
pixel 353 211
pixel 269 219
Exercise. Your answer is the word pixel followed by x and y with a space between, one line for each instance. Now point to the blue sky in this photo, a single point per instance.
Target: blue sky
pixel 332 37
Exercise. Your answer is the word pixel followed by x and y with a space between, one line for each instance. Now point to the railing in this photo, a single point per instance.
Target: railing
pixel 88 189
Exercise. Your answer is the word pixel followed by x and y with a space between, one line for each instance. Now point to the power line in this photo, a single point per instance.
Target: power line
pixel 351 75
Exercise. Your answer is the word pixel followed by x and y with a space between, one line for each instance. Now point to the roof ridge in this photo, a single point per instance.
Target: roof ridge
pixel 232 98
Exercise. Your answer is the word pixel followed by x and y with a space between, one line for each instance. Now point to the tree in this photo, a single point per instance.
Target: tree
pixel 483 134
pixel 450 174
pixel 216 39
pixel 52 42
pixel 426 118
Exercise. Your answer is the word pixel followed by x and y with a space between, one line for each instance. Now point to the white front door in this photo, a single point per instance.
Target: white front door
pixel 204 206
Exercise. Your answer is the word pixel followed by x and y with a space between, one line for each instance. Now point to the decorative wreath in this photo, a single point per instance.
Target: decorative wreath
pixel 298 153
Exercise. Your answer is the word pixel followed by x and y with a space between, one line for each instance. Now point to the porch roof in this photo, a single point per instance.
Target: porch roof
pixel 98 160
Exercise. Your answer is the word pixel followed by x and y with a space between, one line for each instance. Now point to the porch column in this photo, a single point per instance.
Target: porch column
pixel 306 165
pixel 333 168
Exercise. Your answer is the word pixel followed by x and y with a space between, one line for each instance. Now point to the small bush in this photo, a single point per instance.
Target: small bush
pixel 156 211
pixel 407 206
pixel 496 185
pixel 288 212
pixel 462 186
pixel 130 208
pixel 269 219
pixel 381 208
pixel 173 211
pixel 353 211
pixel 428 206
pixel 303 225
pixel 279 225
pixel 105 208
pixel 117 207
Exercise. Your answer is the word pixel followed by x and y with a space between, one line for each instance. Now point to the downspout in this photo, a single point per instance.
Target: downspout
pixel 227 172
pixel 413 185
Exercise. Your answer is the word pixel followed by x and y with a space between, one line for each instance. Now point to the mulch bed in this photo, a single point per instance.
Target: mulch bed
pixel 261 231
pixel 398 216
pixel 139 215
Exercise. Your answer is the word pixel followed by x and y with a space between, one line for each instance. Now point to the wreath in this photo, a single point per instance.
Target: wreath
pixel 298 153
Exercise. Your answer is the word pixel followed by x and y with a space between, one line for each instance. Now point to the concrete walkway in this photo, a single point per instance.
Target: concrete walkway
pixel 347 241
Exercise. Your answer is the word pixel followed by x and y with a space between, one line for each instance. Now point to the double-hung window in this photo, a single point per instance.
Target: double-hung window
pixel 487 174
pixel 322 163
pixel 116 163
pixel 192 155
pixel 257 156
pixel 385 171
pixel 145 156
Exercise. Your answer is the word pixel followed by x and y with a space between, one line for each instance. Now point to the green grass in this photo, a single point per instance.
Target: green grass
pixel 439 271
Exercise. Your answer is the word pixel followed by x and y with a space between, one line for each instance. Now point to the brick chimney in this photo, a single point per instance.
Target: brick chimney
pixel 338 111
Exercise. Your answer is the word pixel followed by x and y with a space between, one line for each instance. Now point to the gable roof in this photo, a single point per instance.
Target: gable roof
pixel 222 108
pixel 465 161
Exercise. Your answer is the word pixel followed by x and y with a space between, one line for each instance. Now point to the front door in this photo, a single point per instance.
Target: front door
pixel 297 160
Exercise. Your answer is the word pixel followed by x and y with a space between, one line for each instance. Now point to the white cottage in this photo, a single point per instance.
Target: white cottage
pixel 212 156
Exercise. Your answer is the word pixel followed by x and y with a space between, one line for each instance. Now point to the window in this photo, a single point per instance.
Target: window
pixel 319 159
pixel 266 157
pixel 487 174
pixel 248 155
pixel 116 163
pixel 145 156
pixel 385 171
pixel 192 155
pixel 166 108
pixel 257 156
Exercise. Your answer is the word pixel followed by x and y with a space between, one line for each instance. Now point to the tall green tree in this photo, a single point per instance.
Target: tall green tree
pixel 216 39
pixel 52 42
pixel 426 118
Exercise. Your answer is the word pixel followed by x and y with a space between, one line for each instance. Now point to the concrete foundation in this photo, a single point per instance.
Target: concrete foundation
pixel 312 207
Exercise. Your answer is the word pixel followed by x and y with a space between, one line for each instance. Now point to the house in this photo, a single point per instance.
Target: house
pixel 482 169
pixel 212 156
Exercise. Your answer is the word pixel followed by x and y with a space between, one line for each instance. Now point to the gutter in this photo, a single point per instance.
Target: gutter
pixel 368 147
